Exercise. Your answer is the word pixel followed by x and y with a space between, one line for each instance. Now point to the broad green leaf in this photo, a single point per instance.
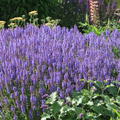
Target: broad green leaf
pixel 112 90
pixel 86 92
pixel 106 98
pixel 102 110
pixel 55 107
pixel 79 110
pixel 99 84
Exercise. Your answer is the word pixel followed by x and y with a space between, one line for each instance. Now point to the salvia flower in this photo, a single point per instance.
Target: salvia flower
pixel 36 61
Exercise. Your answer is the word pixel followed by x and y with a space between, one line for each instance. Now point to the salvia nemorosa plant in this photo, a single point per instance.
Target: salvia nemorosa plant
pixel 35 62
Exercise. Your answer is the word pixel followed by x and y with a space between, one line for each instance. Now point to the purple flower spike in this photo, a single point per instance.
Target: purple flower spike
pixel 15 117
pixel 12 108
pixel 23 108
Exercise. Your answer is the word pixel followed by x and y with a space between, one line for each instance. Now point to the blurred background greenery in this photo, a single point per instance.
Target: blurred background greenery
pixel 70 12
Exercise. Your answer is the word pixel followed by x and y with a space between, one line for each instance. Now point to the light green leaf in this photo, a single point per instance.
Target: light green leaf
pixel 79 101
pixel 90 103
pixel 52 98
pixel 45 116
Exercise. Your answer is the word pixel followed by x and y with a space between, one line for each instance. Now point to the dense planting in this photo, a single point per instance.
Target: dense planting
pixel 99 102
pixel 35 62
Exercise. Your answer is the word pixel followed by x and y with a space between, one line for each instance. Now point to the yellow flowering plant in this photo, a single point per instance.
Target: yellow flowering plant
pixel 2 23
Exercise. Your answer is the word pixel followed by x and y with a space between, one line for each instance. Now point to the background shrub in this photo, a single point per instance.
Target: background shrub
pixel 69 11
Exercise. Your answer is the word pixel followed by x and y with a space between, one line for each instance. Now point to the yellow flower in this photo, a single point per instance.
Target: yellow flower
pixel 2 22
pixel 49 24
pixel 17 19
pixel 33 13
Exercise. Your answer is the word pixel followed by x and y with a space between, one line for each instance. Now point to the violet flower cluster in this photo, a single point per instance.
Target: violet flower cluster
pixel 35 62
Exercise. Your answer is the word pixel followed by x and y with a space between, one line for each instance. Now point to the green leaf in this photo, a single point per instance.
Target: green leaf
pixel 79 101
pixel 52 98
pixel 112 90
pixel 112 106
pixel 66 108
pixel 118 113
pixel 96 96
pixel 55 108
pixel 106 98
pixel 89 116
pixel 78 110
pixel 45 116
pixel 68 99
pixel 74 101
pixel 86 92
pixel 60 102
pixel 99 84
pixel 118 99
pixel 90 103
pixel 102 110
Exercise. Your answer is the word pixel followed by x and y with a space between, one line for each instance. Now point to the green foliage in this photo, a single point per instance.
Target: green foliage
pixel 87 28
pixel 99 102
pixel 50 22
pixel 22 21
pixel 31 19
pixel 69 13
pixel 20 7
pixel 116 52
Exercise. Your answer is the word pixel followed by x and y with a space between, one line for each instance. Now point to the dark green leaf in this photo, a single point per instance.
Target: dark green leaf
pixel 102 110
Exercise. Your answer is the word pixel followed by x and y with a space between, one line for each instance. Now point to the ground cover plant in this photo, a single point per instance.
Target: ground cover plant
pixel 37 61
pixel 99 102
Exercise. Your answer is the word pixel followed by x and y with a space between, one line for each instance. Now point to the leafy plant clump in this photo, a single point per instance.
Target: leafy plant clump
pixel 100 102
